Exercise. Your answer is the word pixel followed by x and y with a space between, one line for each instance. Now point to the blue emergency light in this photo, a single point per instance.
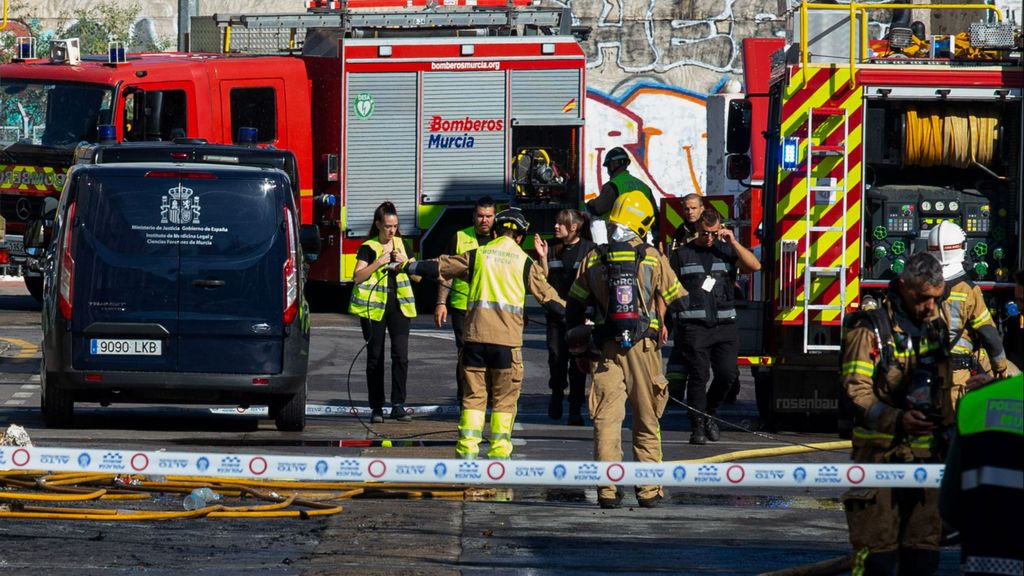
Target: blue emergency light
pixel 107 133
pixel 790 153
pixel 247 135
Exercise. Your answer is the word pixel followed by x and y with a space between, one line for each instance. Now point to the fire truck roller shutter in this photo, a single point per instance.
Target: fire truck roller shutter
pixel 545 94
pixel 463 136
pixel 380 149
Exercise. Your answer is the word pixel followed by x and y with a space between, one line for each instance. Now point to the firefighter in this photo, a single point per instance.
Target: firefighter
pixel 894 366
pixel 561 261
pixel 384 301
pixel 499 276
pixel 706 331
pixel 462 242
pixel 971 328
pixel 693 207
pixel 982 493
pixel 620 181
pixel 622 281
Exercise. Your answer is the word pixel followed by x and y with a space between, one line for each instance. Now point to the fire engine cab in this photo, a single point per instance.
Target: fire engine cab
pixel 867 145
pixel 430 107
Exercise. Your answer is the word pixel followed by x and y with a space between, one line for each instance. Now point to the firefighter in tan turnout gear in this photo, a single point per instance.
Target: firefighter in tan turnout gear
pixel 623 281
pixel 894 368
pixel 499 275
pixel 973 336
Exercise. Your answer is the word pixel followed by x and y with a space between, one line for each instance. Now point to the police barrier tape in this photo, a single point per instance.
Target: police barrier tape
pixel 495 472
pixel 344 410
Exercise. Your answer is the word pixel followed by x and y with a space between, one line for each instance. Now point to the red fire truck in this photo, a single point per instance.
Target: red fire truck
pixel 428 107
pixel 866 146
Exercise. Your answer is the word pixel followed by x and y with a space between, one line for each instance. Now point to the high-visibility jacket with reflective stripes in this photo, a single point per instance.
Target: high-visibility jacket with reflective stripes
pixel 986 473
pixel 970 322
pixel 705 307
pixel 370 298
pixel 626 182
pixel 875 376
pixel 499 274
pixel 465 241
pixel 655 277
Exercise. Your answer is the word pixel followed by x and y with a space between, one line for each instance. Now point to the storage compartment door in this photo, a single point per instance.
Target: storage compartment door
pixel 380 149
pixel 546 96
pixel 463 139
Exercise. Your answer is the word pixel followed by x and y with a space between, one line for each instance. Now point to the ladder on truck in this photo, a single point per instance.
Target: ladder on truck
pixel 829 193
pixel 275 33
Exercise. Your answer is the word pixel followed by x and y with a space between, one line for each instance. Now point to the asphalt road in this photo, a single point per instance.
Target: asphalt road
pixel 519 531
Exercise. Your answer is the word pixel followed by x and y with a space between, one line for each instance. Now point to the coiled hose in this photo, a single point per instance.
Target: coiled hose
pixel 936 137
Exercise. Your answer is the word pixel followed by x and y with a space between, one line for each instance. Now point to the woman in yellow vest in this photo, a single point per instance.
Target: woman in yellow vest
pixel 383 300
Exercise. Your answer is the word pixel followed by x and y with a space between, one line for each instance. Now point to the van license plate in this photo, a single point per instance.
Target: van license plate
pixel 110 346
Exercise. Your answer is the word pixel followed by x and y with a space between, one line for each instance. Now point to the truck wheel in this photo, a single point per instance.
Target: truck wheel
pixel 58 405
pixel 35 287
pixel 291 415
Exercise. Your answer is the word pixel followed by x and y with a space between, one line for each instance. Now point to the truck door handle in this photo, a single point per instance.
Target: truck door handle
pixel 208 283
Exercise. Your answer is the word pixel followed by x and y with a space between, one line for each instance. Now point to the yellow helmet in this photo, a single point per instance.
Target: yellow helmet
pixel 634 211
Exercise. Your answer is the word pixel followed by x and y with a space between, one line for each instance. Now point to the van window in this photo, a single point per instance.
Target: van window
pixel 155 115
pixel 254 108
pixel 133 215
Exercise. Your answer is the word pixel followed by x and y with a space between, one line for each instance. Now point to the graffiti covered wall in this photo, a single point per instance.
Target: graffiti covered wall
pixel 651 65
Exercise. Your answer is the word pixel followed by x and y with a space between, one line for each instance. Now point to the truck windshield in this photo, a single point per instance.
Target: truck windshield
pixel 52 114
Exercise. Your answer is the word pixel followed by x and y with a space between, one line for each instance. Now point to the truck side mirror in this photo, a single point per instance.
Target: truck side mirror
pixel 309 238
pixel 39 230
pixel 737 166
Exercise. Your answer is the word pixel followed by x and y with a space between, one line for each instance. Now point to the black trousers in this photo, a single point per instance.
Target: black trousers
pixel 458 318
pixel 561 364
pixel 706 348
pixel 397 326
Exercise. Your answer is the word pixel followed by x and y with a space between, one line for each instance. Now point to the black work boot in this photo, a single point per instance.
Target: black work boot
pixel 917 562
pixel 711 429
pixel 555 404
pixel 575 414
pixel 697 433
pixel 611 503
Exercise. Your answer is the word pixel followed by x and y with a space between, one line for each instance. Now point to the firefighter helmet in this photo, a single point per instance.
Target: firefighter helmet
pixel 946 242
pixel 512 219
pixel 634 211
pixel 616 154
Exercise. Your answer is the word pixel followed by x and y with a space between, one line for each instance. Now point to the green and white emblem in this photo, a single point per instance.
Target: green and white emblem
pixel 363 105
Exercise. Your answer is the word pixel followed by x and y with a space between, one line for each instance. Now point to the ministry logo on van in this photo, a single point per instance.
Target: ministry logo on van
pixel 179 207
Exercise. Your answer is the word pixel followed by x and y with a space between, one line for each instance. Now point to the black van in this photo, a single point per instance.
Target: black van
pixel 176 282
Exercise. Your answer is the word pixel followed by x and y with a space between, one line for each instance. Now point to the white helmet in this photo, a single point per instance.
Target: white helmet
pixel 947 242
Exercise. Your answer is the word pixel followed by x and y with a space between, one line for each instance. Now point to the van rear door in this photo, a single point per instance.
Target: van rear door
pixel 125 300
pixel 231 284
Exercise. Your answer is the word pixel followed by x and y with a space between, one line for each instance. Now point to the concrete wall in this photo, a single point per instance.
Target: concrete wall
pixel 651 65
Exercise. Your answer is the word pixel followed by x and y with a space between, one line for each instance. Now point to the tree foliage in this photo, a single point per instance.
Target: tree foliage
pixel 95 27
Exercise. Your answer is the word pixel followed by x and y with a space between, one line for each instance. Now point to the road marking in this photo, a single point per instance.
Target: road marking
pixel 14 403
pixel 25 349
pixel 21 395
pixel 30 386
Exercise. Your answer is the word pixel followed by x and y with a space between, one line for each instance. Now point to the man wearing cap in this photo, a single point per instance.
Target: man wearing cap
pixel 971 328
pixel 619 182
pixel 499 274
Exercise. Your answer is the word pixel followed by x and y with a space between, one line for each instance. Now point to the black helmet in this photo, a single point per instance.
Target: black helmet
pixel 513 219
pixel 616 154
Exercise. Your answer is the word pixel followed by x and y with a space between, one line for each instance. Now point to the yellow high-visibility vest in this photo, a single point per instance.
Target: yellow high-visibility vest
pixel 370 298
pixel 465 240
pixel 493 286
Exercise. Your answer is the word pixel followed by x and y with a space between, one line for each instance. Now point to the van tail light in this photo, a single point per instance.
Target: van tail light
pixel 67 267
pixel 291 271
pixel 5 256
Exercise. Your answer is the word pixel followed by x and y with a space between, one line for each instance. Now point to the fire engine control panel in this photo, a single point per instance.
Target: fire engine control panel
pixel 900 218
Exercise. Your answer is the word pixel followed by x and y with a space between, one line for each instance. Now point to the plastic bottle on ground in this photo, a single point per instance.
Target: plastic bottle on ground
pixel 200 498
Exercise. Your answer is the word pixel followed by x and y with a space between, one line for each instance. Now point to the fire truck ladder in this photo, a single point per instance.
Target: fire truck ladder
pixel 827 192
